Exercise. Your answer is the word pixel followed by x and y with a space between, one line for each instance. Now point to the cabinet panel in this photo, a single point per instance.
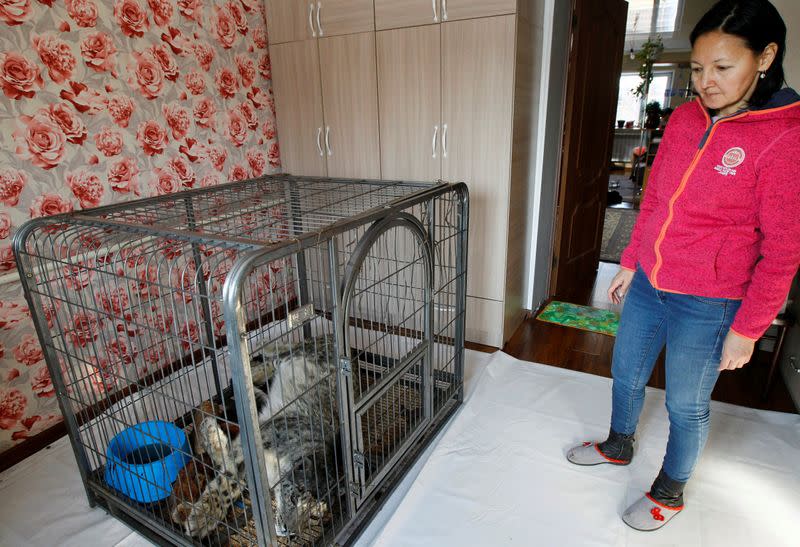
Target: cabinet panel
pixel 350 100
pixel 288 20
pixel 346 16
pixel 477 96
pixel 298 105
pixel 409 87
pixel 484 320
pixel 405 13
pixel 469 9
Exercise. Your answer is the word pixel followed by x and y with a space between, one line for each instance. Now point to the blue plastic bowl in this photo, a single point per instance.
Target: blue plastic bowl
pixel 145 459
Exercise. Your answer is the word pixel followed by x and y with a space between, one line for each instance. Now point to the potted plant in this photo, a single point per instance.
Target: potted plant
pixel 652 115
pixel 649 53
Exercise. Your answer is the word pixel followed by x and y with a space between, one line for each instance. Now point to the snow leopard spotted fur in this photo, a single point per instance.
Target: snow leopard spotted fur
pixel 298 441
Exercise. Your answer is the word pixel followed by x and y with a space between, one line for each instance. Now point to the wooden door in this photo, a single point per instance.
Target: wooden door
pixel 298 106
pixel 477 94
pixel 350 100
pixel 289 20
pixel 410 91
pixel 469 9
pixel 338 17
pixel 406 13
pixel 598 32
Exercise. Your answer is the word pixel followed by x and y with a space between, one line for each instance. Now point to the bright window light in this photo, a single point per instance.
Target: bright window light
pixel 629 106
pixel 651 17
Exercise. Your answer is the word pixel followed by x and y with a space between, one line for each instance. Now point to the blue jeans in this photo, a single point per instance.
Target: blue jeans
pixel 693 329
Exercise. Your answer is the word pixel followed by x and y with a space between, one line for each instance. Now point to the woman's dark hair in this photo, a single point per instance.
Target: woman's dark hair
pixel 758 23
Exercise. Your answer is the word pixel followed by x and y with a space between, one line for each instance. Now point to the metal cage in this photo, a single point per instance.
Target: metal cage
pixel 258 362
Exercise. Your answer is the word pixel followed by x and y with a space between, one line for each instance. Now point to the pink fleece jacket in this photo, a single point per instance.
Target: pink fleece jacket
pixel 721 212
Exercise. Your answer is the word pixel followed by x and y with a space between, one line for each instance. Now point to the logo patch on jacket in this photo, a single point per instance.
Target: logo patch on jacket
pixel 730 160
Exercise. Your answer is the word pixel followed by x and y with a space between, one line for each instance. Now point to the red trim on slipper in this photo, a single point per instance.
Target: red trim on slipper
pixel 651 498
pixel 606 457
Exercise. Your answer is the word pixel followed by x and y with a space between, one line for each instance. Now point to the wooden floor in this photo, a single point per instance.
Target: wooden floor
pixel 589 352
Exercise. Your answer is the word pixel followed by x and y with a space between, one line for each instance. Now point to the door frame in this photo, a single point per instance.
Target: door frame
pixel 545 191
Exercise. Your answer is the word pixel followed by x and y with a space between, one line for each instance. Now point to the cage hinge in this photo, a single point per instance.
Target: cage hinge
pixel 346 366
pixel 355 488
pixel 358 459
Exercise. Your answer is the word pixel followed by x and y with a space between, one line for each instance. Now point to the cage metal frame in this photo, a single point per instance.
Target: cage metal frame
pixel 362 504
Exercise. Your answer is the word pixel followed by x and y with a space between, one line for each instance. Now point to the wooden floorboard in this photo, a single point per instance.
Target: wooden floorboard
pixel 589 352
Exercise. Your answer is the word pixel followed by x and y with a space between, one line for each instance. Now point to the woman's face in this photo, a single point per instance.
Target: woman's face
pixel 725 71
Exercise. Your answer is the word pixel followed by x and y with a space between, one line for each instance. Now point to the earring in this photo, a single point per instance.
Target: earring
pixel 763 75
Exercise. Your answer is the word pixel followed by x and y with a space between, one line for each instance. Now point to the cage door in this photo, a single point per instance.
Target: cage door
pixel 387 322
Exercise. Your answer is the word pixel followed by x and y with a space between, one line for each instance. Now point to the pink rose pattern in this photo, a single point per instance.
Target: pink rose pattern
pixel 56 55
pixel 108 141
pixel 106 101
pixel 19 76
pixel 99 52
pixel 15 12
pixel 83 12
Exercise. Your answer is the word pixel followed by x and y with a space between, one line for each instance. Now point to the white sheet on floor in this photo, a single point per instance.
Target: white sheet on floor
pixel 497 476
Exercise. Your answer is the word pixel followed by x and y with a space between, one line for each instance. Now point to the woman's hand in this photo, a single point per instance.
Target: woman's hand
pixel 736 351
pixel 619 285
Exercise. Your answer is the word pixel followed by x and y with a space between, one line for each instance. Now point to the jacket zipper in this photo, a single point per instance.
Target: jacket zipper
pixel 688 173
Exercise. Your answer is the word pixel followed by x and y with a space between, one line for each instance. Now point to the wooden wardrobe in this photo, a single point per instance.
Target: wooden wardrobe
pixel 420 90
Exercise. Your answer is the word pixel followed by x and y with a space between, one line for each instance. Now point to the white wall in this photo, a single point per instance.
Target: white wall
pixel 790 11
pixel 693 10
pixel 531 27
pixel 555 51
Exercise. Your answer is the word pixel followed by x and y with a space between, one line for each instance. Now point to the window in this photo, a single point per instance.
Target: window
pixel 652 17
pixel 662 81
pixel 629 106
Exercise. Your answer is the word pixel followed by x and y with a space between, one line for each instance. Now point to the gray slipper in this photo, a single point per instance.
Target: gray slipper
pixel 647 514
pixel 589 453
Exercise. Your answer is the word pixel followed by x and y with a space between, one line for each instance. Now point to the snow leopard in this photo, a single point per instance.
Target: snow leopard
pixel 295 393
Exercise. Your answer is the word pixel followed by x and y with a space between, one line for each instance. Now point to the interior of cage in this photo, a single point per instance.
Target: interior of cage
pixel 383 427
pixel 147 343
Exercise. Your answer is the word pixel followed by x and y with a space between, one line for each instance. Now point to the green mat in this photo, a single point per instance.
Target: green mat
pixel 581 317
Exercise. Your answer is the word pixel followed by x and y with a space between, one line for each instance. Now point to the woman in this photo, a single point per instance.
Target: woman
pixel 715 247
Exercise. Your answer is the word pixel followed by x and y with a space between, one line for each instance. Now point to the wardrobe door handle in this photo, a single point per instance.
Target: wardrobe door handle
pixel 444 10
pixel 444 140
pixel 319 25
pixel 327 140
pixel 433 143
pixel 319 141
pixel 435 15
pixel 311 20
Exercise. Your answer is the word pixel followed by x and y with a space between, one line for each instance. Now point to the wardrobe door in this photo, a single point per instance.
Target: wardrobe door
pixel 406 13
pixel 477 96
pixel 338 17
pixel 409 88
pixel 350 99
pixel 298 106
pixel 290 20
pixel 452 10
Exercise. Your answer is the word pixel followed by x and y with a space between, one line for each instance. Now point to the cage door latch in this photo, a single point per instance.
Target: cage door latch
pixel 346 366
pixel 300 315
pixel 358 459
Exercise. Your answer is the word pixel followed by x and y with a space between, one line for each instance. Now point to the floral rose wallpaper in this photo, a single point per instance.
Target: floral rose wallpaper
pixel 103 101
